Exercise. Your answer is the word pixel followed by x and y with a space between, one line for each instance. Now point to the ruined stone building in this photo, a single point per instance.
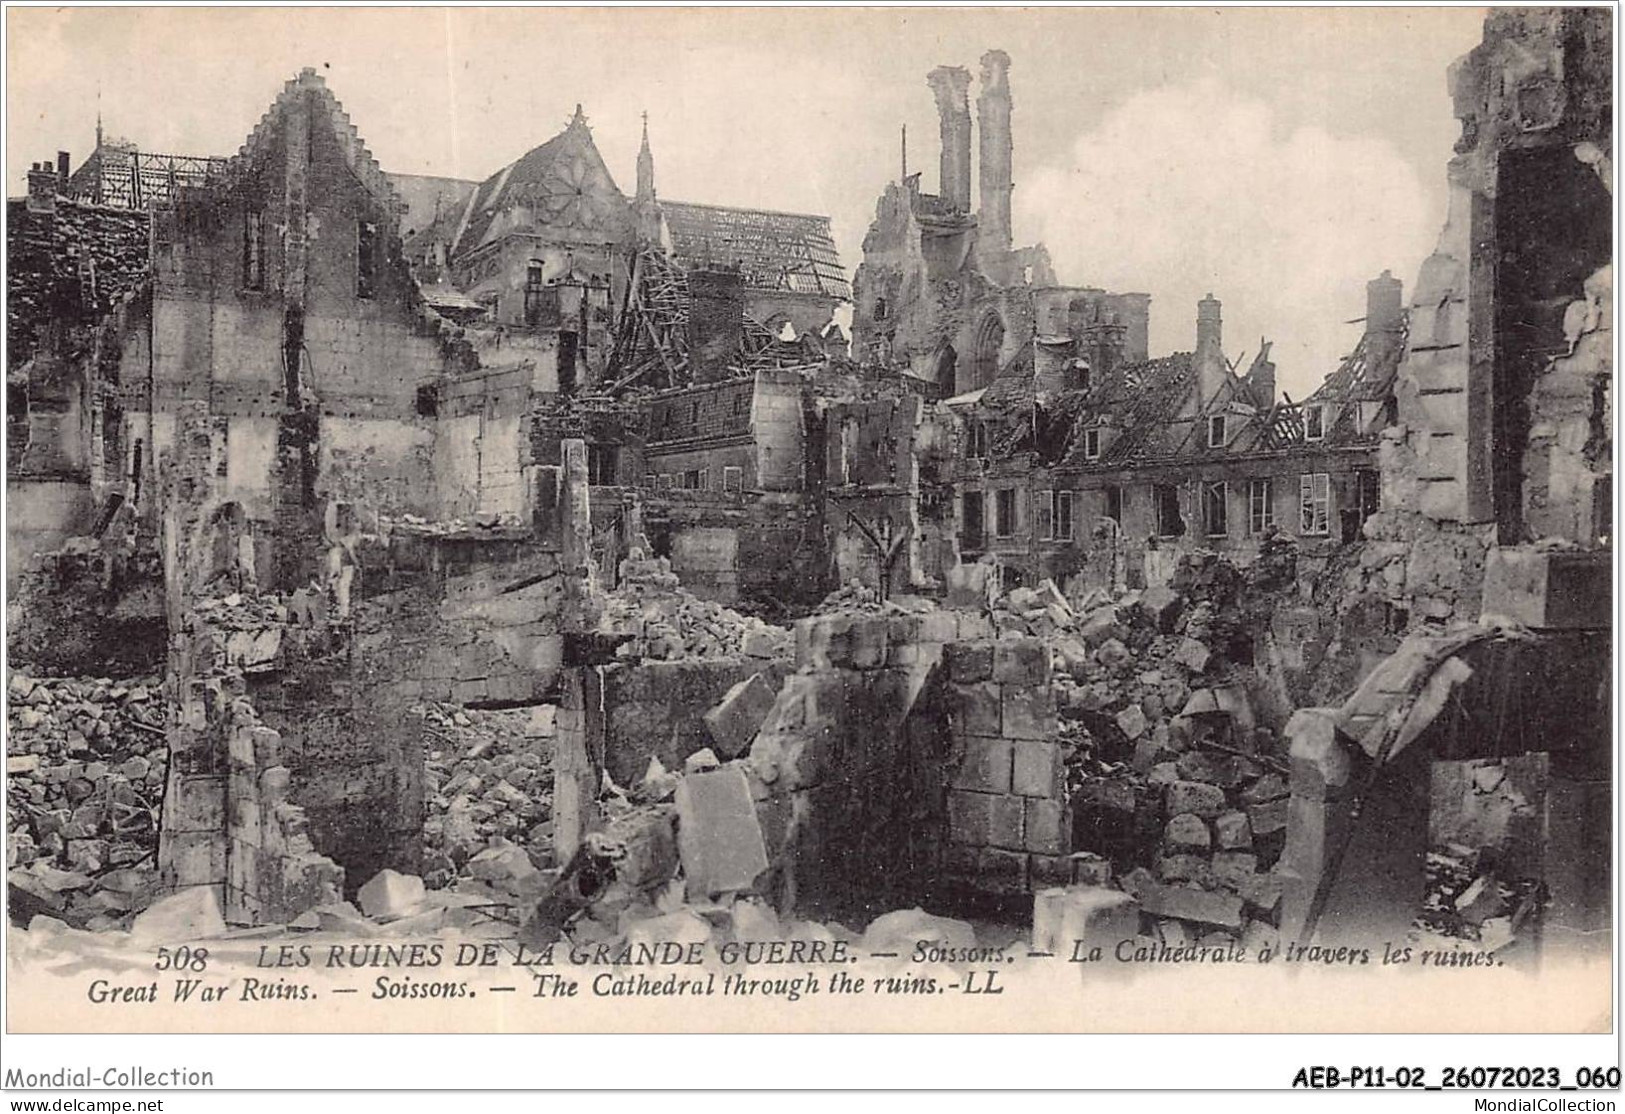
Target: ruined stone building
pixel 941 291
pixel 1101 478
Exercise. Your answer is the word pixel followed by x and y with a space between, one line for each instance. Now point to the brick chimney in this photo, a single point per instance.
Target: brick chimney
pixel 62 171
pixel 1384 316
pixel 1384 304
pixel 951 84
pixel 1211 368
pixel 716 321
pixel 42 188
pixel 993 116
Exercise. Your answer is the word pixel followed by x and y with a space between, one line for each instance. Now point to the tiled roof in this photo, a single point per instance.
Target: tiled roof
pixel 792 252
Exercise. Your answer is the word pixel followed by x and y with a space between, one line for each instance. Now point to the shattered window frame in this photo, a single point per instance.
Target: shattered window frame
pixel 1063 515
pixel 1091 443
pixel 1044 512
pixel 1260 505
pixel 1004 512
pixel 1314 422
pixel 1314 503
pixel 1215 508
pixel 1217 428
pixel 733 480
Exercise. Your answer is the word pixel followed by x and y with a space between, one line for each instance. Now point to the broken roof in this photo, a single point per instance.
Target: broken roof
pixel 792 252
pixel 562 184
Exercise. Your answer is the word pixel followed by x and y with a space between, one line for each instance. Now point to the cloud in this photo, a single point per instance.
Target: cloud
pixel 1188 189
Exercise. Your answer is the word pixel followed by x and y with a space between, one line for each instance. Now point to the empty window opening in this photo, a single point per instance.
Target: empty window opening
pixel 1215 521
pixel 366 259
pixel 254 250
pixel 1170 522
pixel 1114 504
pixel 602 465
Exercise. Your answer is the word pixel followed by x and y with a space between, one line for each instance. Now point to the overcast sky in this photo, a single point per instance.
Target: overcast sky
pixel 1275 157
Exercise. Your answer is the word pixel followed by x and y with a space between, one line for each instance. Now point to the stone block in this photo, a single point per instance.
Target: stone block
pixel 1020 662
pixel 1193 655
pixel 1196 798
pixel 737 717
pixel 1045 828
pixel 1262 895
pixel 1081 916
pixel 1270 787
pixel 192 913
pixel 1099 626
pixel 1048 870
pixel 974 709
pixel 1090 869
pixel 719 837
pixel 1001 872
pixel 1183 903
pixel 1234 868
pixel 1131 721
pixel 389 895
pixel 192 858
pixel 985 819
pixel 1162 605
pixel 1036 769
pixel 1232 831
pixel 967 585
pixel 937 627
pixel 1269 818
pixel 868 642
pixel 1185 867
pixel 969 662
pixel 1187 835
pixel 1549 589
pixel 986 766
pixel 1028 713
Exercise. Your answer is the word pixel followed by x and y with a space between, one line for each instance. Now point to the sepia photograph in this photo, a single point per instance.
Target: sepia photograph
pixel 810 520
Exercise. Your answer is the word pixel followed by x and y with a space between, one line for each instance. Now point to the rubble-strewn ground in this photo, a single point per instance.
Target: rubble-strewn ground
pixel 85 764
pixel 488 783
pixel 663 622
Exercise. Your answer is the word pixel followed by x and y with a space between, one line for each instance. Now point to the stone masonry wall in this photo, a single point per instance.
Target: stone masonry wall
pixel 1009 826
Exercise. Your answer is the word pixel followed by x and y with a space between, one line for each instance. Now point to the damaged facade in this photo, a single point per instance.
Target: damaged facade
pixel 1068 620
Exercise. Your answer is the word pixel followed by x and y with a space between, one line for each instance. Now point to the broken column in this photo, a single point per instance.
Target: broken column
pixel 951 84
pixel 997 153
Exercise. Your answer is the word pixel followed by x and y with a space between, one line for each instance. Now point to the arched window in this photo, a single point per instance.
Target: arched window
pixel 985 356
pixel 947 361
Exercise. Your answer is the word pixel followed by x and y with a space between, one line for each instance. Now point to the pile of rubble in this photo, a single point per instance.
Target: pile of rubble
pixel 1176 791
pixel 1467 899
pixel 666 623
pixel 488 786
pixel 85 765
